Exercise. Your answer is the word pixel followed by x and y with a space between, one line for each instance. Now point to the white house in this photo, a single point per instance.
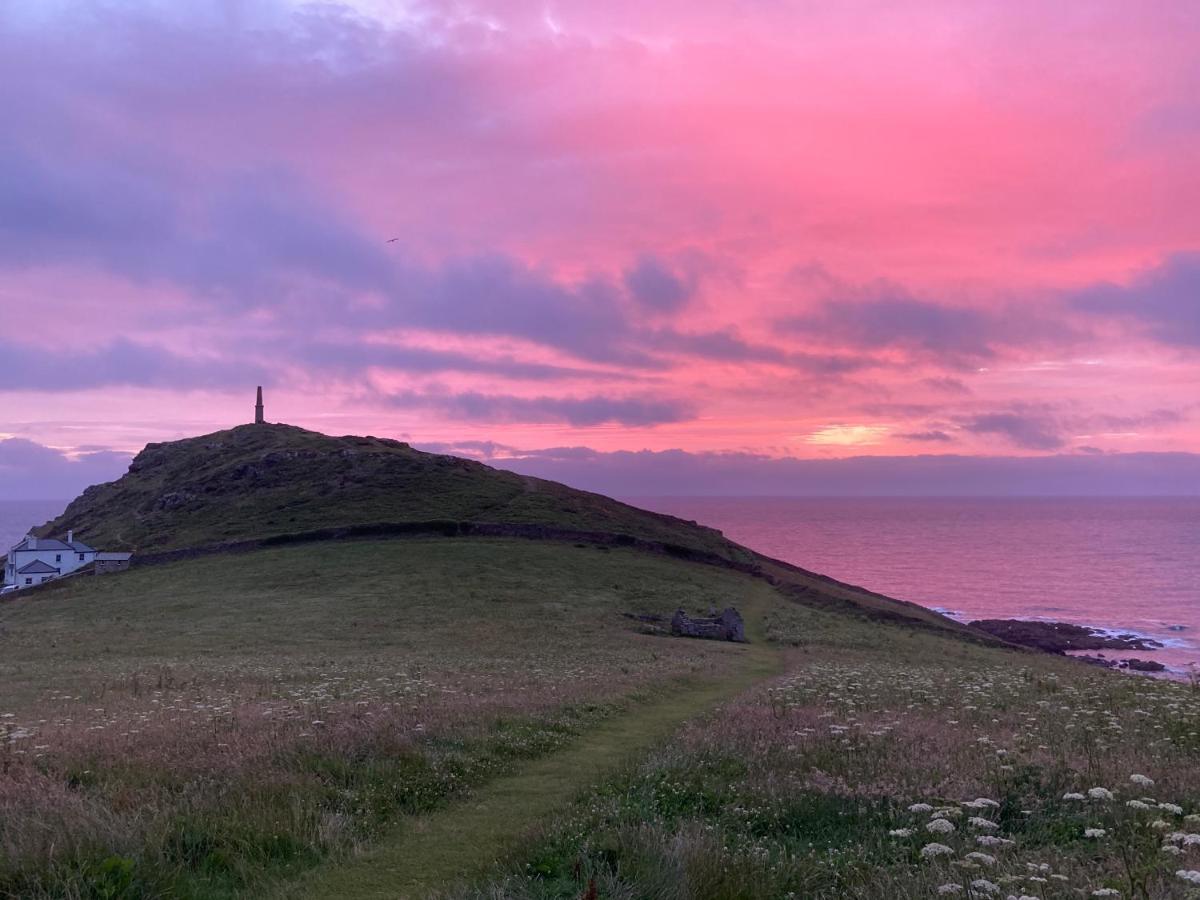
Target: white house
pixel 36 559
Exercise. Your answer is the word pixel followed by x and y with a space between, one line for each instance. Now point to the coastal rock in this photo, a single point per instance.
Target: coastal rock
pixel 1143 665
pixel 1059 637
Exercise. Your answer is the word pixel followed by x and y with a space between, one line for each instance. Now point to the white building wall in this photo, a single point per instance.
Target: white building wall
pixel 64 560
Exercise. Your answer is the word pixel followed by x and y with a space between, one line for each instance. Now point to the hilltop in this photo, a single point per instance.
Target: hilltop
pixel 267 482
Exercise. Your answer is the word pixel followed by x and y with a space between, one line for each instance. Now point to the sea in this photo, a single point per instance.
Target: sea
pixel 1126 565
pixel 1121 564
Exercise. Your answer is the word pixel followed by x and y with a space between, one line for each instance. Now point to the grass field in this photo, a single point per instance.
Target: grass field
pixel 893 764
pixel 197 729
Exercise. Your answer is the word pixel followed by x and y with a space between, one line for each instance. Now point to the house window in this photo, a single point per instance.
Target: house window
pixel 81 557
pixel 29 581
pixel 58 557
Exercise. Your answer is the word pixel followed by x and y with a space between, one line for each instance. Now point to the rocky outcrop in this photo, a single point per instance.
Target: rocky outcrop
pixel 1059 637
pixel 728 626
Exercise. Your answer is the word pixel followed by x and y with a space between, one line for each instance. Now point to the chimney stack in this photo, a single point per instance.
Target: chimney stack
pixel 258 408
pixel 31 541
pixel 70 536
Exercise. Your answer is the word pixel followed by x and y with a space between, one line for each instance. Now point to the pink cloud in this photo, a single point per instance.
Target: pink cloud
pixel 630 225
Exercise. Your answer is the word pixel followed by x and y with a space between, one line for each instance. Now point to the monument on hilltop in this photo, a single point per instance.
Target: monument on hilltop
pixel 258 408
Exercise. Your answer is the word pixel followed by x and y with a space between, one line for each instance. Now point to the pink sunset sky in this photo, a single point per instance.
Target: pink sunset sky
pixel 744 234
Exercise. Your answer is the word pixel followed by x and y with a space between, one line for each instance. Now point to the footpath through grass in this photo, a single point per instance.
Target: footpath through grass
pixel 435 851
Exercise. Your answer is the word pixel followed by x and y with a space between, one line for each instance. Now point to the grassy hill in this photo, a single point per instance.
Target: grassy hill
pixel 259 482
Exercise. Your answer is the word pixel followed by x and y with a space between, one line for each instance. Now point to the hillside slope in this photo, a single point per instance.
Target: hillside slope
pixel 257 482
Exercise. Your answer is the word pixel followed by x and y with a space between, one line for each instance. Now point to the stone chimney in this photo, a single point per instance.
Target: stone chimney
pixel 258 408
pixel 70 536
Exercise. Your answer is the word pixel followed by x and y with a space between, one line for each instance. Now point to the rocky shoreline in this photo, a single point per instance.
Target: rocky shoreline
pixel 1062 637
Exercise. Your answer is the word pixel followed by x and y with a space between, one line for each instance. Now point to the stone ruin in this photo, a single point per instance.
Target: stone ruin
pixel 727 626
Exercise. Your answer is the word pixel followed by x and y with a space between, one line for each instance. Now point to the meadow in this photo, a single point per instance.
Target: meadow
pixel 893 764
pixel 202 728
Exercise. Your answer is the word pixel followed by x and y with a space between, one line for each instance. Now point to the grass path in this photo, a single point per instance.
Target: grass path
pixel 438 849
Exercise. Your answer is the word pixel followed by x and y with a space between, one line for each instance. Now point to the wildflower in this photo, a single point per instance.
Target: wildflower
pixel 1190 875
pixel 940 826
pixel 980 822
pixel 1094 832
pixel 983 886
pixel 984 858
pixel 949 888
pixel 1172 850
pixel 1137 804
pixel 1073 796
pixel 1099 793
pixel 1160 825
pixel 900 832
pixel 1106 892
pixel 1171 808
pixel 981 803
pixel 920 808
pixel 1142 780
pixel 929 851
pixel 990 840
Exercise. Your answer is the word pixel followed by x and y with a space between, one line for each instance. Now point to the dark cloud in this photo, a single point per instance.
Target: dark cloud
pixel 577 411
pixel 727 346
pixel 31 471
pixel 926 436
pixel 680 473
pixel 947 385
pixel 654 285
pixel 1032 431
pixel 1164 300
pixel 350 358
pixel 883 314
pixel 120 362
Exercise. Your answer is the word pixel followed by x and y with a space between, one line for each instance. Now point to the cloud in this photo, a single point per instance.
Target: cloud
pixel 32 471
pixel 655 286
pixel 1164 300
pixel 933 436
pixel 25 367
pixel 1031 431
pixel 636 412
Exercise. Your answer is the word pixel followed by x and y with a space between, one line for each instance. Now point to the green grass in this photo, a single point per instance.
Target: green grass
pixel 202 728
pixel 434 851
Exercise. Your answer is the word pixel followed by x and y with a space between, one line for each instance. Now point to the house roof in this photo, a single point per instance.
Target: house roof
pixel 37 567
pixel 113 557
pixel 52 544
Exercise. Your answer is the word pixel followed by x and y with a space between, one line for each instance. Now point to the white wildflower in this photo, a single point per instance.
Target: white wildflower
pixel 1073 796
pixel 1094 832
pixel 1106 892
pixel 900 832
pixel 980 822
pixel 984 858
pixel 1172 850
pixel 983 886
pixel 920 808
pixel 990 840
pixel 1171 808
pixel 1137 804
pixel 940 826
pixel 1190 875
pixel 981 803
pixel 949 888
pixel 929 851
pixel 1142 780
pixel 1099 793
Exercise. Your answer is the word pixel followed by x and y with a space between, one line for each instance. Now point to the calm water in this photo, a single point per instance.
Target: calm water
pixel 18 516
pixel 1126 564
